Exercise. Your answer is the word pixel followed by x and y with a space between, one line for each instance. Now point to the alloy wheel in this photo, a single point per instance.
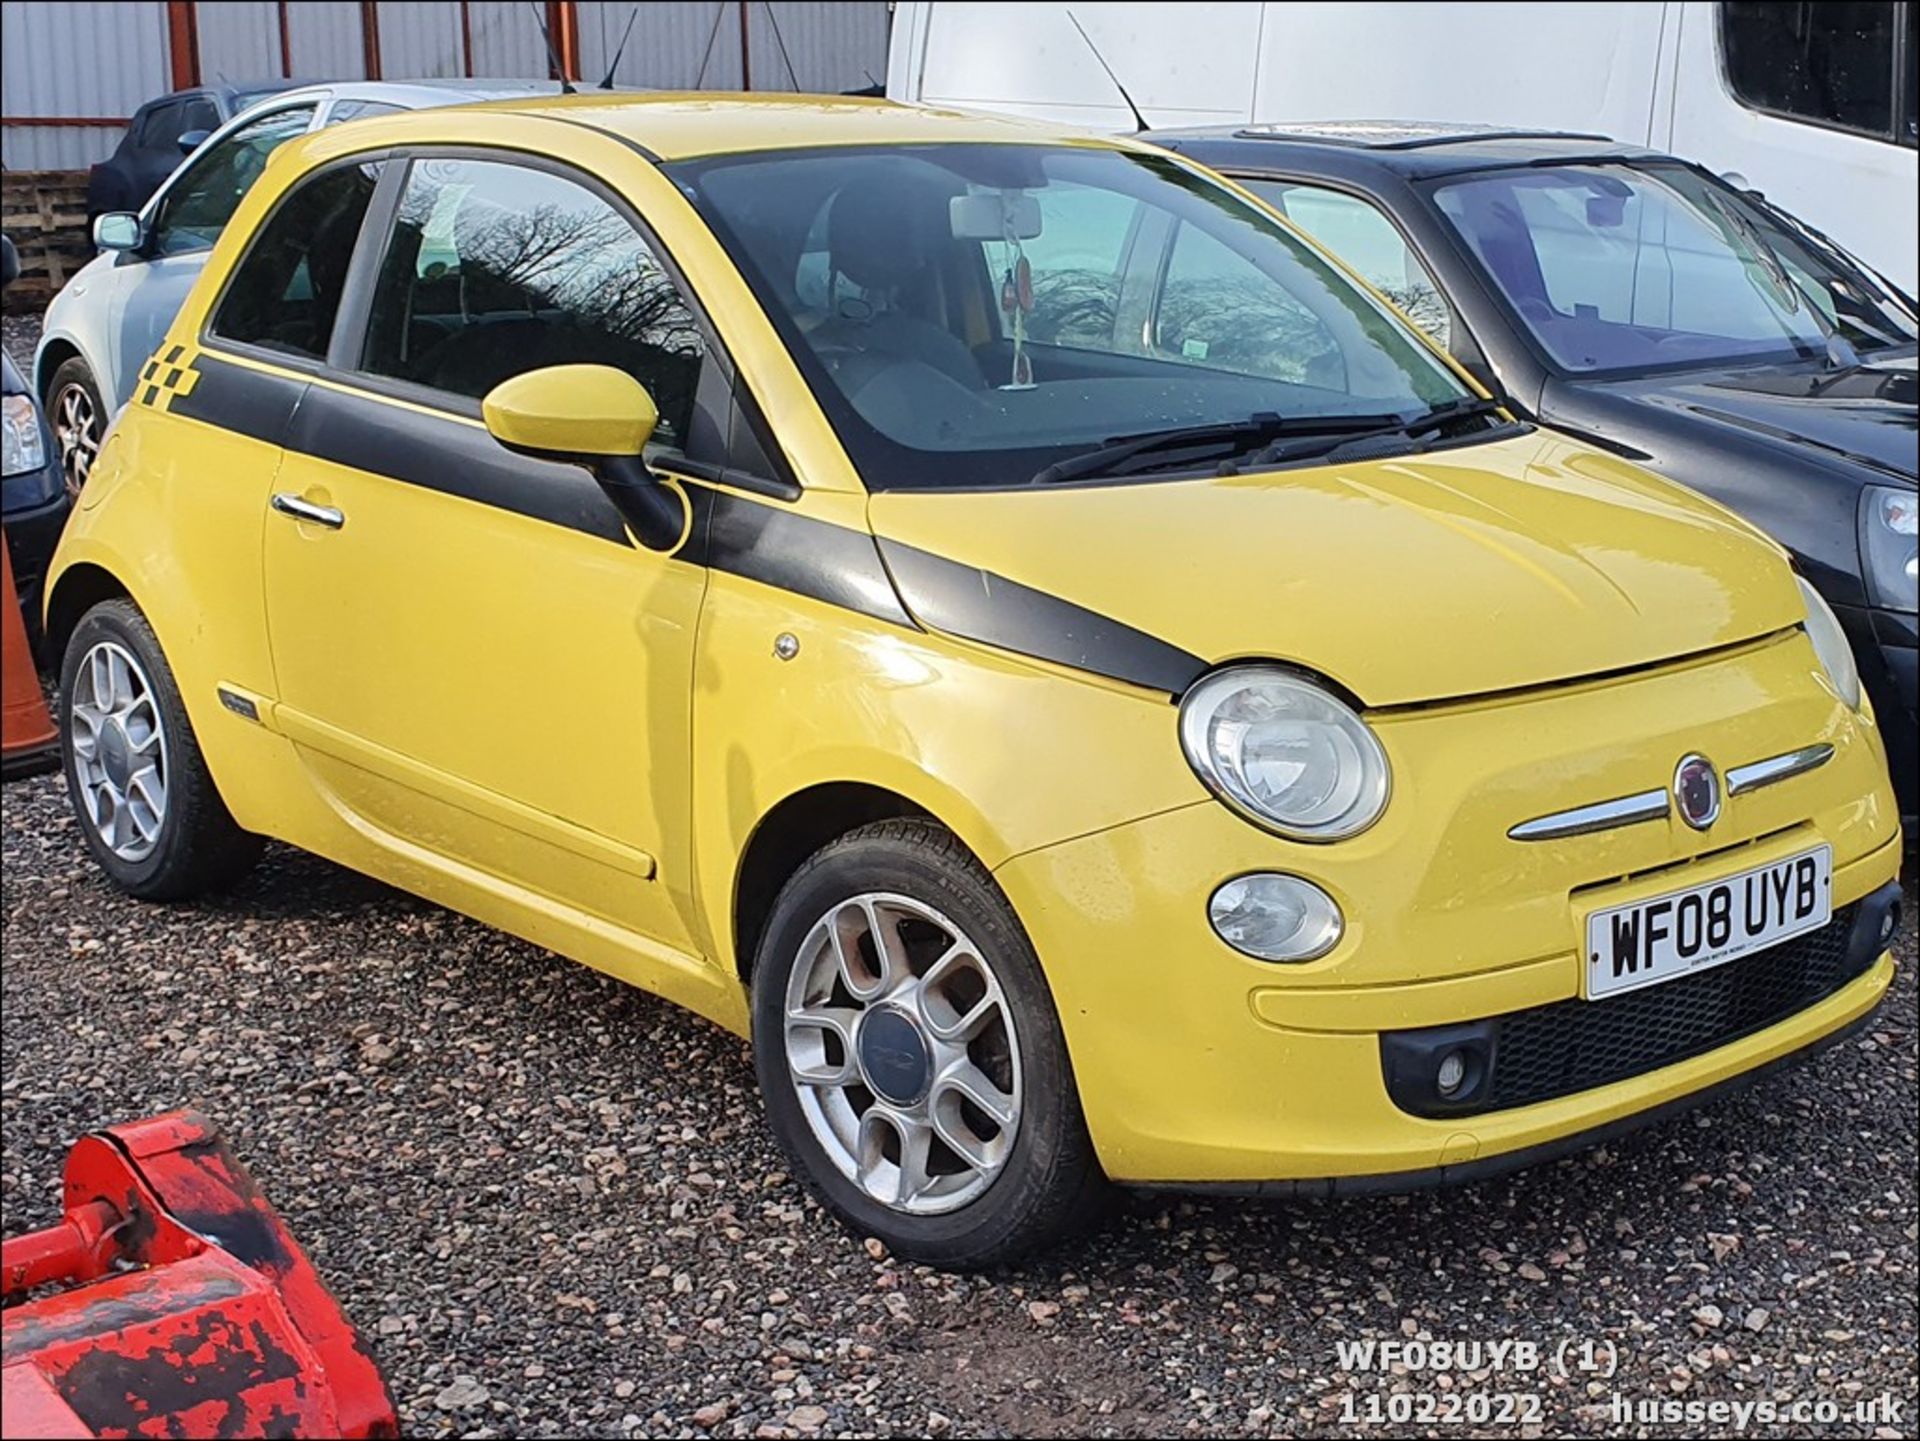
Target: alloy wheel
pixel 902 1050
pixel 119 746
pixel 76 426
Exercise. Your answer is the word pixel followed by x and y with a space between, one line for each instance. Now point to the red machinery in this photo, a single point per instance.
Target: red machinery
pixel 189 1309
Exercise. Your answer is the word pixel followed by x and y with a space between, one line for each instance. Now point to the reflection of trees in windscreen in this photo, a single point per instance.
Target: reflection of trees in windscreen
pixel 1423 306
pixel 1232 323
pixel 1075 307
pixel 589 266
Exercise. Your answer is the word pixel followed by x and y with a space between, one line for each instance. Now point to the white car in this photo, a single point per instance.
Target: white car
pixel 103 325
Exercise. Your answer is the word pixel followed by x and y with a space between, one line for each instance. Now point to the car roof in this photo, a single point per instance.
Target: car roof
pixel 1410 148
pixel 678 125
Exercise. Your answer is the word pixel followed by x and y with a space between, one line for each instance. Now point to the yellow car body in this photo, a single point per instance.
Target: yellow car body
pixel 619 754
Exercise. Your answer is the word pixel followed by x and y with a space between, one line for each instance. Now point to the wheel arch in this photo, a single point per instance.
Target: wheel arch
pixel 76 590
pixel 54 353
pixel 792 830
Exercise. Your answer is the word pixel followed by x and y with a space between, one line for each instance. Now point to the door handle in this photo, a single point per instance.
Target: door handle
pixel 306 510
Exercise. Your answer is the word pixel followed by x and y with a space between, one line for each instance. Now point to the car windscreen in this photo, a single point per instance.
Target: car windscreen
pixel 969 314
pixel 1623 268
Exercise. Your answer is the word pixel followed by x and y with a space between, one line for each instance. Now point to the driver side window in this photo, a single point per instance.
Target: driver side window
pixel 202 200
pixel 493 269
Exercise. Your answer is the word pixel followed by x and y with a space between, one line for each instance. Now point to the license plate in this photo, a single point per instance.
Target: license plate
pixel 1674 935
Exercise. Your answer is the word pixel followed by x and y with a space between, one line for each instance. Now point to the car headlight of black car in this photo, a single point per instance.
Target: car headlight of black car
pixel 1887 524
pixel 23 446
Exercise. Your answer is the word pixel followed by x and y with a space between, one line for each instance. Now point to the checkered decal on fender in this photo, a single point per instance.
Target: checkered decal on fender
pixel 165 377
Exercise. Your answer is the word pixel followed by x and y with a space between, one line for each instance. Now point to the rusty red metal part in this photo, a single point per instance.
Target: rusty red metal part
pixel 189 1309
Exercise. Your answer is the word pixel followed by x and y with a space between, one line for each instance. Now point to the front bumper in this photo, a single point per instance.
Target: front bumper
pixel 1197 1065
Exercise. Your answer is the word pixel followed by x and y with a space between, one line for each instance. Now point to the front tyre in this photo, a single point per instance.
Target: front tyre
pixel 909 1055
pixel 79 419
pixel 141 791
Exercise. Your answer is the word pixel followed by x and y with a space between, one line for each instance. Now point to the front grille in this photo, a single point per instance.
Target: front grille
pixel 1575 1045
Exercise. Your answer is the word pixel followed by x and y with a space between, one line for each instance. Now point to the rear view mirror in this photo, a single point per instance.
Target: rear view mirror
pixel 192 140
pixel 597 417
pixel 117 230
pixel 1606 212
pixel 994 215
pixel 9 261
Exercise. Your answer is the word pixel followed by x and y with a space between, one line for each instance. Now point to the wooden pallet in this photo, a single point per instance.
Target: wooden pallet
pixel 44 213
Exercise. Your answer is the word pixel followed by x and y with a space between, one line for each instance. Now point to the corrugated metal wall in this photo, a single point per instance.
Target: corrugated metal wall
pixel 126 63
pixel 421 41
pixel 669 46
pixel 830 45
pixel 324 36
pixel 506 40
pixel 103 59
pixel 239 41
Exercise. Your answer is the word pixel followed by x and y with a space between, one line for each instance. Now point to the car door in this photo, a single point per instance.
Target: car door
pixel 148 286
pixel 477 663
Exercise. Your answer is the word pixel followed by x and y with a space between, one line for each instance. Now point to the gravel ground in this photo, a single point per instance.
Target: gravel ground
pixel 551 1203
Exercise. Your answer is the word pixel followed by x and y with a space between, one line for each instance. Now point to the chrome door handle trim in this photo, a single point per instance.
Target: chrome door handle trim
pixel 306 510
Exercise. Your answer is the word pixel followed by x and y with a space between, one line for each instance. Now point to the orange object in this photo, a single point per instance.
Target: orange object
pixel 27 736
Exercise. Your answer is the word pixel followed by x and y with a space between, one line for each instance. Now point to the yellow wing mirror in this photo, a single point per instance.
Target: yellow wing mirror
pixel 594 416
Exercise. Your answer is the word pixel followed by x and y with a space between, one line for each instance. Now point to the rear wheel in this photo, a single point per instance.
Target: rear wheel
pixel 79 420
pixel 146 803
pixel 909 1054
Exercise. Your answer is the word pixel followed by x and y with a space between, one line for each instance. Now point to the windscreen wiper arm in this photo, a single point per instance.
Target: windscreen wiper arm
pixel 1302 447
pixel 1233 436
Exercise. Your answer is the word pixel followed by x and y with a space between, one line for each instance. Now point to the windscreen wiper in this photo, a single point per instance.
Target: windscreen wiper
pixel 1840 352
pixel 1365 442
pixel 1129 454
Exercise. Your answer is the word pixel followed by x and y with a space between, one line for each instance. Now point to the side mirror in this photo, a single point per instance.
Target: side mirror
pixel 597 417
pixel 192 140
pixel 117 230
pixel 9 261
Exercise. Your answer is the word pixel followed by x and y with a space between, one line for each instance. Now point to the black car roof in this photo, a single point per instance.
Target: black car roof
pixel 1413 149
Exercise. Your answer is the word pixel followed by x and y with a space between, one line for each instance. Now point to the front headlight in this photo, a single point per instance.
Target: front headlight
pixel 1888 521
pixel 1284 753
pixel 21 446
pixel 1830 644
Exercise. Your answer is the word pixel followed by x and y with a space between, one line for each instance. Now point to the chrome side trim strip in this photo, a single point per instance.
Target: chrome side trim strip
pixel 1742 779
pixel 1601 816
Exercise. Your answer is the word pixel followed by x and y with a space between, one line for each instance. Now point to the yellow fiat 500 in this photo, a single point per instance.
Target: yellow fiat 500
pixel 994 615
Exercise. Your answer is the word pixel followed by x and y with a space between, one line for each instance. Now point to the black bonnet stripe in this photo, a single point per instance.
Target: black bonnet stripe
pixel 777 547
pixel 966 601
pixel 758 541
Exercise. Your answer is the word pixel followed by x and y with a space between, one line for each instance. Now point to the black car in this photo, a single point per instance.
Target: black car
pixel 33 490
pixel 1649 307
pixel 162 132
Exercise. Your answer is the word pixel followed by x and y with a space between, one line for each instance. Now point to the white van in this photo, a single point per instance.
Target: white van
pixel 1812 103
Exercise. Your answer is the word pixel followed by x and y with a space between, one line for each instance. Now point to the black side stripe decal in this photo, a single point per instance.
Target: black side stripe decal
pixel 256 403
pixel 966 601
pixel 758 541
pixel 440 454
pixel 792 552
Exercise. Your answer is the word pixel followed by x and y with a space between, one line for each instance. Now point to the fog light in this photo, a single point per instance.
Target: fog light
pixel 1275 918
pixel 1452 1072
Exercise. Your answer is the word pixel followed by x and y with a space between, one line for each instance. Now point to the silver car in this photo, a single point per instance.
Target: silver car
pixel 103 325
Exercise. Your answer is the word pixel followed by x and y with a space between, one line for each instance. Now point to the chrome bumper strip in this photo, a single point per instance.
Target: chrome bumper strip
pixel 1742 779
pixel 1601 816
pixel 1654 805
